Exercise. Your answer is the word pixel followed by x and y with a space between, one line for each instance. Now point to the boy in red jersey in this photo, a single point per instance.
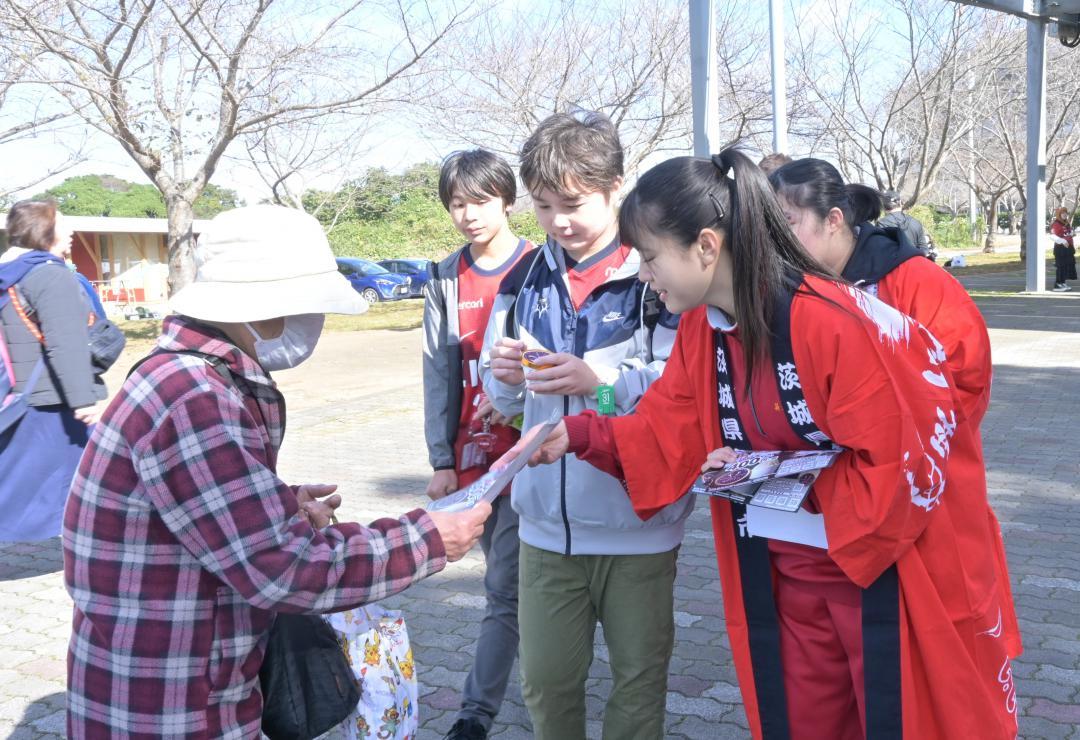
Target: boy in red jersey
pixel 464 434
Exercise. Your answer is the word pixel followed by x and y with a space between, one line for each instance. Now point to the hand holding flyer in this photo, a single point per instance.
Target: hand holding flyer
pixel 771 479
pixel 499 475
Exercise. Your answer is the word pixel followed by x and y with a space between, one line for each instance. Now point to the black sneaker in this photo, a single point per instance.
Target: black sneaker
pixel 466 729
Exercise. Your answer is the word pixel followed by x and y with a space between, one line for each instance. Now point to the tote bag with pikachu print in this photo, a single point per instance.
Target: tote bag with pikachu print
pixel 376 642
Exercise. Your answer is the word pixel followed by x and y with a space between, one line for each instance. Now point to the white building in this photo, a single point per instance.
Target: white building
pixel 125 258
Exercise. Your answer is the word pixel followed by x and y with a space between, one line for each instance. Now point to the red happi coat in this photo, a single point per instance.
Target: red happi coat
pixel 872 382
pixel 913 285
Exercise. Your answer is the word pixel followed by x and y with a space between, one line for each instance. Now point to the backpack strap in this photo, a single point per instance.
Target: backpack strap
pixel 33 328
pixel 216 363
pixel 17 299
pixel 12 296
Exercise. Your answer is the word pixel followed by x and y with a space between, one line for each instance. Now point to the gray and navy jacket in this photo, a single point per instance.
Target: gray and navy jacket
pixel 623 332
pixel 442 362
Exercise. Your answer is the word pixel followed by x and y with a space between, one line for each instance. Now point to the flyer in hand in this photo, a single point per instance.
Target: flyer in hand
pixel 498 477
pixel 771 479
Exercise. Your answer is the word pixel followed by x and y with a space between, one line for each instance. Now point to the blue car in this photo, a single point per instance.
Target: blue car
pixel 374 282
pixel 418 270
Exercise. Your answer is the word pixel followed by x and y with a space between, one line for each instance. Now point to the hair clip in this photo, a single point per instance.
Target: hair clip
pixel 718 206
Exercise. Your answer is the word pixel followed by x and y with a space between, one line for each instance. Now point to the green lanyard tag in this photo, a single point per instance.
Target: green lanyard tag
pixel 605 400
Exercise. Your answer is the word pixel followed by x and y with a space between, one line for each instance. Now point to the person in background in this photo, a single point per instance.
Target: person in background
pixel 857 616
pixel 585 556
pixel 1061 232
pixel 771 162
pixel 63 251
pixel 44 321
pixel 464 433
pixel 833 221
pixel 913 229
pixel 181 543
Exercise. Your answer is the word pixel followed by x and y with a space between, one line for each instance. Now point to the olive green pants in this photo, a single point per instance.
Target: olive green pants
pixel 560 600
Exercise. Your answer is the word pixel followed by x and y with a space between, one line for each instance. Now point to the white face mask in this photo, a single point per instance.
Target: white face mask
pixel 296 343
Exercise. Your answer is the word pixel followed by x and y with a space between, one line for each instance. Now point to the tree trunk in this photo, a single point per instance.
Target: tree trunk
pixel 1012 220
pixel 180 242
pixel 989 246
pixel 1023 237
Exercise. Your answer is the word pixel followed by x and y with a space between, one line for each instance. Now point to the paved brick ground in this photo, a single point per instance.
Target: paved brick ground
pixel 355 417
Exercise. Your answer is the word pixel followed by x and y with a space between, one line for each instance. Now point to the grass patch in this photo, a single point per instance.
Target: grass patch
pixel 395 315
pixel 136 331
pixel 993 293
pixel 986 264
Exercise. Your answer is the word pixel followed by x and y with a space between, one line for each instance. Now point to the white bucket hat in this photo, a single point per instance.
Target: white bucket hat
pixel 262 262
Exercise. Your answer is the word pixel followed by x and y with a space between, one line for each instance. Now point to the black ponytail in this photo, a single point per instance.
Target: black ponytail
pixel 817 186
pixel 865 202
pixel 680 197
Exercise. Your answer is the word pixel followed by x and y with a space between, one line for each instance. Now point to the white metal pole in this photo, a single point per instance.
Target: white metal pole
pixel 1036 155
pixel 973 203
pixel 779 81
pixel 703 77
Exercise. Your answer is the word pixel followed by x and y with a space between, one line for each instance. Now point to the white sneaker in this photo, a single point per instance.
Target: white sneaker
pixel 1061 288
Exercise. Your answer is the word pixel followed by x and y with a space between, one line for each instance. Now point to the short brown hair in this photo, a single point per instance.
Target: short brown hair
pixel 568 152
pixel 772 162
pixel 31 224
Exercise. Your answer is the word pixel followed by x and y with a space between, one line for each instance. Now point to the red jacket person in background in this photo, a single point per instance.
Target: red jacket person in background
pixel 833 221
pixel 1061 233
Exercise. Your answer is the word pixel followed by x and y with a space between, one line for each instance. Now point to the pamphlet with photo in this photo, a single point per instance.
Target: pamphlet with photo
pixel 488 486
pixel 772 479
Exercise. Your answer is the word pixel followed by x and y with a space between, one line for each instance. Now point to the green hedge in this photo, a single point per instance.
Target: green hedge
pixel 947 231
pixel 420 229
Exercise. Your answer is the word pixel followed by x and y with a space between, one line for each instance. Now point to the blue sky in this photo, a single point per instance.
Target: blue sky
pixel 389 143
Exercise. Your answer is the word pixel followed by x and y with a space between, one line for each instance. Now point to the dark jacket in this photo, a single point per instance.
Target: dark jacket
pixel 54 300
pixel 878 251
pixel 911 226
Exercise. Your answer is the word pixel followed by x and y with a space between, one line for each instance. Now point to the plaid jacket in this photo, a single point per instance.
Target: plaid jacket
pixel 180 544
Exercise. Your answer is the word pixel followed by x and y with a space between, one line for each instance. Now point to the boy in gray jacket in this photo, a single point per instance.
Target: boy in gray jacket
pixel 464 434
pixel 585 555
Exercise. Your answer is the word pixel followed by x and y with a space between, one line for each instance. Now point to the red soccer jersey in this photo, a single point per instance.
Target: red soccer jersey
pixel 476 292
pixel 589 274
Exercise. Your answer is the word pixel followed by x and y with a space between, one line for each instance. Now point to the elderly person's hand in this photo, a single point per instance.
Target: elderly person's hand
pixel 318 512
pixel 461 529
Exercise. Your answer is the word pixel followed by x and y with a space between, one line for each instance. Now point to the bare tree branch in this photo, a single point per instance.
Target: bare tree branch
pixel 176 82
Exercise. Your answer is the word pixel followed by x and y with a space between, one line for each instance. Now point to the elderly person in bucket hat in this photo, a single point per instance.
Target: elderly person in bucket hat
pixel 180 540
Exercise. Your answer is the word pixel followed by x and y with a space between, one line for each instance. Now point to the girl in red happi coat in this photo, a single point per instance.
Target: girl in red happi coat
pixel 880 568
pixel 833 221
